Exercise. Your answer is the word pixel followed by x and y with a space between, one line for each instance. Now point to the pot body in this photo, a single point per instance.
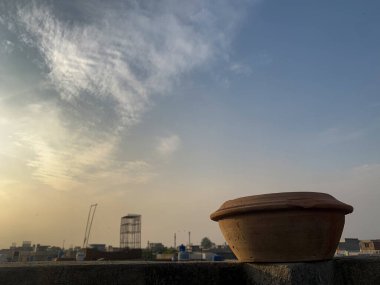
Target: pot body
pixel 292 235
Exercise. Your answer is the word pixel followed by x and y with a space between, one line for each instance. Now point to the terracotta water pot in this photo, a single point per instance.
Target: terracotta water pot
pixel 283 227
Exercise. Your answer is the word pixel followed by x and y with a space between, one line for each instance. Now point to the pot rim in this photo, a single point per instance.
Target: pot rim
pixel 280 202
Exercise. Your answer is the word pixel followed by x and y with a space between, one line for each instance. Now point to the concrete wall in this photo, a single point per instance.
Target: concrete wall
pixel 350 270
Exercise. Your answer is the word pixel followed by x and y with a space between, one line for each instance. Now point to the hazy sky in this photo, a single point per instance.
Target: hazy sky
pixel 168 108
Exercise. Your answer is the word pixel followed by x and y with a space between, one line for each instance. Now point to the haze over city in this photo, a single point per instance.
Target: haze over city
pixel 169 108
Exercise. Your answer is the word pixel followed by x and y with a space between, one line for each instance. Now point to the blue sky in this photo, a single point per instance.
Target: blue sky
pixel 168 108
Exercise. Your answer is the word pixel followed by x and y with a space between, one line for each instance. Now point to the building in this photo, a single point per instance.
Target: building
pixel 125 254
pixel 5 255
pixel 221 250
pixel 130 231
pixel 98 247
pixel 370 246
pixel 155 247
pixel 27 252
pixel 350 246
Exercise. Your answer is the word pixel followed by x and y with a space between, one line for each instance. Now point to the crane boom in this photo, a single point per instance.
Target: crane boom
pixel 90 218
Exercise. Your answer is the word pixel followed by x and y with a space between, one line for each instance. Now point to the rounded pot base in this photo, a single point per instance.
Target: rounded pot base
pixel 284 236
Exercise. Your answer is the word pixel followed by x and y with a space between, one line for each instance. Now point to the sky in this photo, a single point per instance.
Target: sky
pixel 169 108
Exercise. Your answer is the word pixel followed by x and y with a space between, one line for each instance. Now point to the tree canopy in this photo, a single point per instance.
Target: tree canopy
pixel 206 243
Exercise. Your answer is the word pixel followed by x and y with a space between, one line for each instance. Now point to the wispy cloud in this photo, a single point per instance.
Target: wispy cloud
pixel 58 158
pixel 168 145
pixel 128 54
pixel 338 135
pixel 106 62
pixel 367 170
pixel 240 69
pixel 6 47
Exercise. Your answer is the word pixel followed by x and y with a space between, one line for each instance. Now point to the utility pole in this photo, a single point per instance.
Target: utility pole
pixel 175 240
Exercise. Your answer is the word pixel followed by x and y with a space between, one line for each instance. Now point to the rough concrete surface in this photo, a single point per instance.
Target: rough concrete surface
pixel 117 273
pixel 340 271
pixel 350 270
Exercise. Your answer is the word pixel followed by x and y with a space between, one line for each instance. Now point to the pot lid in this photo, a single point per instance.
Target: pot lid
pixel 280 201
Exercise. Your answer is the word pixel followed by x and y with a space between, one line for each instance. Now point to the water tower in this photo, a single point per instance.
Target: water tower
pixel 130 231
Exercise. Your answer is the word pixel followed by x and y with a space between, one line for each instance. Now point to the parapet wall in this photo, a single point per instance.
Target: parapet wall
pixel 350 270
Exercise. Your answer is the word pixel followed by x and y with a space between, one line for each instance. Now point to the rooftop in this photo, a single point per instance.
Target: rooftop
pixel 347 270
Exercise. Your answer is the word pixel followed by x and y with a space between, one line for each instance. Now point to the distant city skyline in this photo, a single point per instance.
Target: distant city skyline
pixel 167 109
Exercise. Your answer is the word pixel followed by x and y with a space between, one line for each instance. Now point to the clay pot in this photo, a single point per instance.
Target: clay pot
pixel 283 227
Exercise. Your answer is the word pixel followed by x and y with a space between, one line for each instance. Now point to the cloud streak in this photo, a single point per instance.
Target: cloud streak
pixel 128 54
pixel 105 63
pixel 168 145
pixel 336 135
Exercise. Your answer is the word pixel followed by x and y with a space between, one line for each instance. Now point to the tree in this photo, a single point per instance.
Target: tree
pixel 206 243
